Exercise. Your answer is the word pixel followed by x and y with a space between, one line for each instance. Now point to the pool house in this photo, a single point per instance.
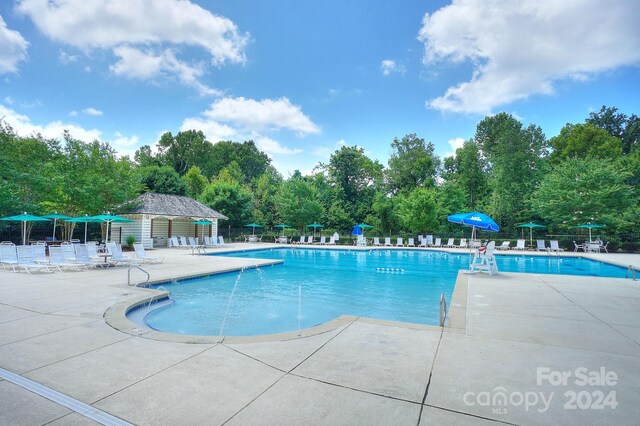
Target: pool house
pixel 158 217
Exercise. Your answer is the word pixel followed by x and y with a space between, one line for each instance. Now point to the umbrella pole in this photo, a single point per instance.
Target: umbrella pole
pixel 530 236
pixel 24 232
pixel 54 228
pixel 85 232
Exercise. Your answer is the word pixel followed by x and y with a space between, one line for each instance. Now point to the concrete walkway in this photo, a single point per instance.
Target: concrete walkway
pixel 509 335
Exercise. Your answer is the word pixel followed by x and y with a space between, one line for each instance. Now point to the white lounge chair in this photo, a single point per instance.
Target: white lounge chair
pixel 174 242
pixel 429 240
pixel 302 240
pixel 411 243
pixel 399 242
pixel 438 242
pixel 184 242
pixel 387 241
pixel 221 240
pixel 463 243
pixel 423 243
pixel 420 238
pixel 142 255
pixel 332 241
pixel 211 242
pixel 39 253
pixel 83 258
pixel 520 245
pixel 310 239
pixel 540 246
pixel 323 240
pixel 117 256
pixel 504 245
pixel 554 246
pixel 376 241
pixel 26 262
pixel 450 242
pixel 58 261
pixel 8 255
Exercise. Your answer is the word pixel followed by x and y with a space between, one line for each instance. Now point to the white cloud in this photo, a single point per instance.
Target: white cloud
pixel 152 25
pixel 125 145
pixel 267 114
pixel 454 144
pixel 214 131
pixel 522 48
pixel 92 111
pixel 326 151
pixel 66 58
pixel 271 146
pixel 13 48
pixel 389 66
pixel 23 126
pixel 8 100
pixel 73 113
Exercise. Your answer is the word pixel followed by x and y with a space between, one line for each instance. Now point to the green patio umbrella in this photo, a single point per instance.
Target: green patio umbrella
pixel 109 218
pixel 254 226
pixel 364 226
pixel 55 216
pixel 86 219
pixel 591 226
pixel 531 225
pixel 315 226
pixel 202 222
pixel 283 226
pixel 24 218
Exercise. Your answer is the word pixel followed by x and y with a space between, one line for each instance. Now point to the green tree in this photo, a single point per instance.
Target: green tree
pixel 250 159
pixel 626 129
pixel 468 171
pixel 451 199
pixel 384 216
pixel 186 149
pixel 412 164
pixel 266 187
pixel 195 182
pixel 231 199
pixel 297 203
pixel 584 140
pixel 232 172
pixel 163 180
pixel 581 190
pixel 144 157
pixel 418 210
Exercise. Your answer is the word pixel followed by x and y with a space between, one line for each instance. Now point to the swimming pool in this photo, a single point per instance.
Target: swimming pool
pixel 314 286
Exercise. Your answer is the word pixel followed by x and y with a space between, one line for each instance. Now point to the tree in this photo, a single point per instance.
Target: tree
pixel 297 203
pixel 250 159
pixel 383 216
pixel 451 199
pixel 266 187
pixel 231 199
pixel 584 140
pixel 144 157
pixel 163 180
pixel 618 125
pixel 467 171
pixel 581 190
pixel 515 161
pixel 412 164
pixel 194 181
pixel 186 149
pixel 418 210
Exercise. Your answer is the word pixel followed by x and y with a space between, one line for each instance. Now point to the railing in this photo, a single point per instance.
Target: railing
pixel 443 309
pixel 631 271
pixel 139 268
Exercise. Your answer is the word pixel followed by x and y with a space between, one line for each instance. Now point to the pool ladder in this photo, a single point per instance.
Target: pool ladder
pixel 443 309
pixel 631 272
pixel 139 268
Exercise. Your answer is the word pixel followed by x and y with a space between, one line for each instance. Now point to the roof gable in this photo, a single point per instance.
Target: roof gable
pixel 153 203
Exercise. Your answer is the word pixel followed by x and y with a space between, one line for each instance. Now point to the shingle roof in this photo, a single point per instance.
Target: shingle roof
pixel 169 205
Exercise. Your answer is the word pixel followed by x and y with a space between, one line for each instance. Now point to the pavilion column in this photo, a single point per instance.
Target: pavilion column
pixel 169 232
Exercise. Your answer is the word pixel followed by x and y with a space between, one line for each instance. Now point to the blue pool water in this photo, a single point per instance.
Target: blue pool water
pixel 316 286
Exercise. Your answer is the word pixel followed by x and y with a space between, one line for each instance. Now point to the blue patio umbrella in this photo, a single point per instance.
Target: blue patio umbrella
pixel 356 230
pixel 476 220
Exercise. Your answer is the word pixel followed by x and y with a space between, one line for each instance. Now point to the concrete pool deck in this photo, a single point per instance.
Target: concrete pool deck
pixel 508 335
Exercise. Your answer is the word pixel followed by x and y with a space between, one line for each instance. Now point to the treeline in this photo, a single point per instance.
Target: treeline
pixel 588 173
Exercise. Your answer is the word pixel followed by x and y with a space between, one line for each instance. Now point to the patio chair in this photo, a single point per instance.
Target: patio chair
pixel 58 261
pixel 221 240
pixel 39 253
pixel 69 252
pixel 420 238
pixel 142 255
pixel 540 246
pixel 411 243
pixel 463 243
pixel 438 242
pixel 332 241
pixel 8 255
pixel 83 258
pixel 310 239
pixel 376 241
pixel 520 245
pixel 554 246
pixel 387 241
pixel 504 245
pixel 117 256
pixel 429 240
pixel 423 243
pixel 211 242
pixel 323 240
pixel 184 242
pixel 604 247
pixel 450 243
pixel 24 255
pixel 399 242
pixel 302 240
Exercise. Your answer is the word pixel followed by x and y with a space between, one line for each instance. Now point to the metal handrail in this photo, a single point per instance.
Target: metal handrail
pixel 139 268
pixel 631 270
pixel 443 309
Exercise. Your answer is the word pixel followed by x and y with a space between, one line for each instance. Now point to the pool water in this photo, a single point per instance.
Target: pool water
pixel 314 286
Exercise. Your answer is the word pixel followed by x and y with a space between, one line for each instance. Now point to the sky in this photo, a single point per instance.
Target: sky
pixel 303 78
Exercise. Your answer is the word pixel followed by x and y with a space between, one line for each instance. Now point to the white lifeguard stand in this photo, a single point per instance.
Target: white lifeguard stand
pixel 484 260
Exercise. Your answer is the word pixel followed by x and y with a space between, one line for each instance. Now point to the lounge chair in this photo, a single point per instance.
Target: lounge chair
pixel 554 246
pixel 26 262
pixel 332 241
pixel 184 242
pixel 302 240
pixel 323 240
pixel 450 243
pixel 504 246
pixel 221 240
pixel 58 261
pixel 399 242
pixel 376 241
pixel 211 241
pixel 387 241
pixel 39 253
pixel 429 240
pixel 117 256
pixel 83 257
pixel 411 243
pixel 420 238
pixel 438 242
pixel 310 239
pixel 423 243
pixel 8 255
pixel 520 245
pixel 69 252
pixel 142 255
pixel 463 243
pixel 174 242
pixel 540 246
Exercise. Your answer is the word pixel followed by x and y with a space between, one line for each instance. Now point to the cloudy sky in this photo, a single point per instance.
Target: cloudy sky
pixel 302 78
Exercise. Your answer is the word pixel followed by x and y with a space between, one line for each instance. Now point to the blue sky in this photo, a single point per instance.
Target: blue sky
pixel 303 78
